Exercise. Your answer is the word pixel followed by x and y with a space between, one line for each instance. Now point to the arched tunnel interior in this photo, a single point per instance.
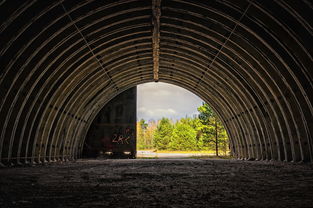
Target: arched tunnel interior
pixel 62 61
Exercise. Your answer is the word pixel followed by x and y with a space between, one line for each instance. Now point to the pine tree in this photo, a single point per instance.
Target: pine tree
pixel 183 136
pixel 163 134
pixel 213 132
pixel 141 129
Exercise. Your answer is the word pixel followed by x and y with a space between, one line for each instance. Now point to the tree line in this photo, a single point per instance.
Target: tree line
pixel 204 132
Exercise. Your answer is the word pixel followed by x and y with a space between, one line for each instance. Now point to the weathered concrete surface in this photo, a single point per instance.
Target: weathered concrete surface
pixel 158 183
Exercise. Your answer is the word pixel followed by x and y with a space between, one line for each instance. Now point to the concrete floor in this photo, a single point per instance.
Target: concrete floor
pixel 158 183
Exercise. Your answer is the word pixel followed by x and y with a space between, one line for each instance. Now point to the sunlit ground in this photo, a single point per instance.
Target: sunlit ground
pixel 180 154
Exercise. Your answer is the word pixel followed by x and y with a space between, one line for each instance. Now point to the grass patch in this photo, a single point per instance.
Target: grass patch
pixel 147 157
pixel 205 152
pixel 185 151
pixel 225 157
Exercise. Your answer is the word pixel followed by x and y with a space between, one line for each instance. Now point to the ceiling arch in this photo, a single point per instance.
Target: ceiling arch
pixel 62 61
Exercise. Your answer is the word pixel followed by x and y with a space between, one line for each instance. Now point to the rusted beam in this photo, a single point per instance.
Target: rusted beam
pixel 156 14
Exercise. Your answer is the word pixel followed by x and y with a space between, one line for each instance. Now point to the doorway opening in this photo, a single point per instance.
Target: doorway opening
pixel 156 120
pixel 175 123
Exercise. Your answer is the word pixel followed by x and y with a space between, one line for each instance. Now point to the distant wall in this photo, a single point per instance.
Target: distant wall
pixel 113 131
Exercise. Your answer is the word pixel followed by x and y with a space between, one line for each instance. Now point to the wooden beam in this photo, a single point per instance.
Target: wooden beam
pixel 156 14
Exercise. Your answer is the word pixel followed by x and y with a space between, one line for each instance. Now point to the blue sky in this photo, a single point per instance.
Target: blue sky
pixel 156 100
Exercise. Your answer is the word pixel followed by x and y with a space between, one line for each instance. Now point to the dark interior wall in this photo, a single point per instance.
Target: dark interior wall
pixel 114 128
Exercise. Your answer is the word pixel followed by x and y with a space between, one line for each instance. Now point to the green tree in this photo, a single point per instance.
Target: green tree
pixel 149 134
pixel 196 124
pixel 205 132
pixel 145 134
pixel 143 124
pixel 163 134
pixel 213 132
pixel 183 136
pixel 206 128
pixel 141 128
pixel 205 113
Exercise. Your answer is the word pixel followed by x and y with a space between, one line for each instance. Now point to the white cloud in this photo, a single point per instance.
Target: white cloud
pixel 158 112
pixel 157 100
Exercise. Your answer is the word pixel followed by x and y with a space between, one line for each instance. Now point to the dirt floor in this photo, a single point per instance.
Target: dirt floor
pixel 158 183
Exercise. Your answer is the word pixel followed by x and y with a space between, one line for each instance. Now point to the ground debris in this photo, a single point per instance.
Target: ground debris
pixel 158 183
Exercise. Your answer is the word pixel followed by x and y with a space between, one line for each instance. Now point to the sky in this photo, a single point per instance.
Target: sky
pixel 156 100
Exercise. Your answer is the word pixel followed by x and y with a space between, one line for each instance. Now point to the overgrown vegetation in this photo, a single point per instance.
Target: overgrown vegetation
pixel 202 133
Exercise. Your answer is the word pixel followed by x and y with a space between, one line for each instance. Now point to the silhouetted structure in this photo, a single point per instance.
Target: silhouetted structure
pixel 112 134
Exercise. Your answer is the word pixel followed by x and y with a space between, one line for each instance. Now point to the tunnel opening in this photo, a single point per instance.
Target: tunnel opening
pixel 173 122
pixel 154 120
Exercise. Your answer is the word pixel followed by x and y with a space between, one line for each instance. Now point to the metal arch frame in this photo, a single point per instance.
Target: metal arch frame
pixel 230 88
pixel 255 35
pixel 131 40
pixel 299 104
pixel 91 93
pixel 215 78
pixel 134 84
pixel 286 29
pixel 277 63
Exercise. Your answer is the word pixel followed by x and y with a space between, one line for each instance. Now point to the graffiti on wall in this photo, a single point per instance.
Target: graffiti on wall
pixel 123 137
